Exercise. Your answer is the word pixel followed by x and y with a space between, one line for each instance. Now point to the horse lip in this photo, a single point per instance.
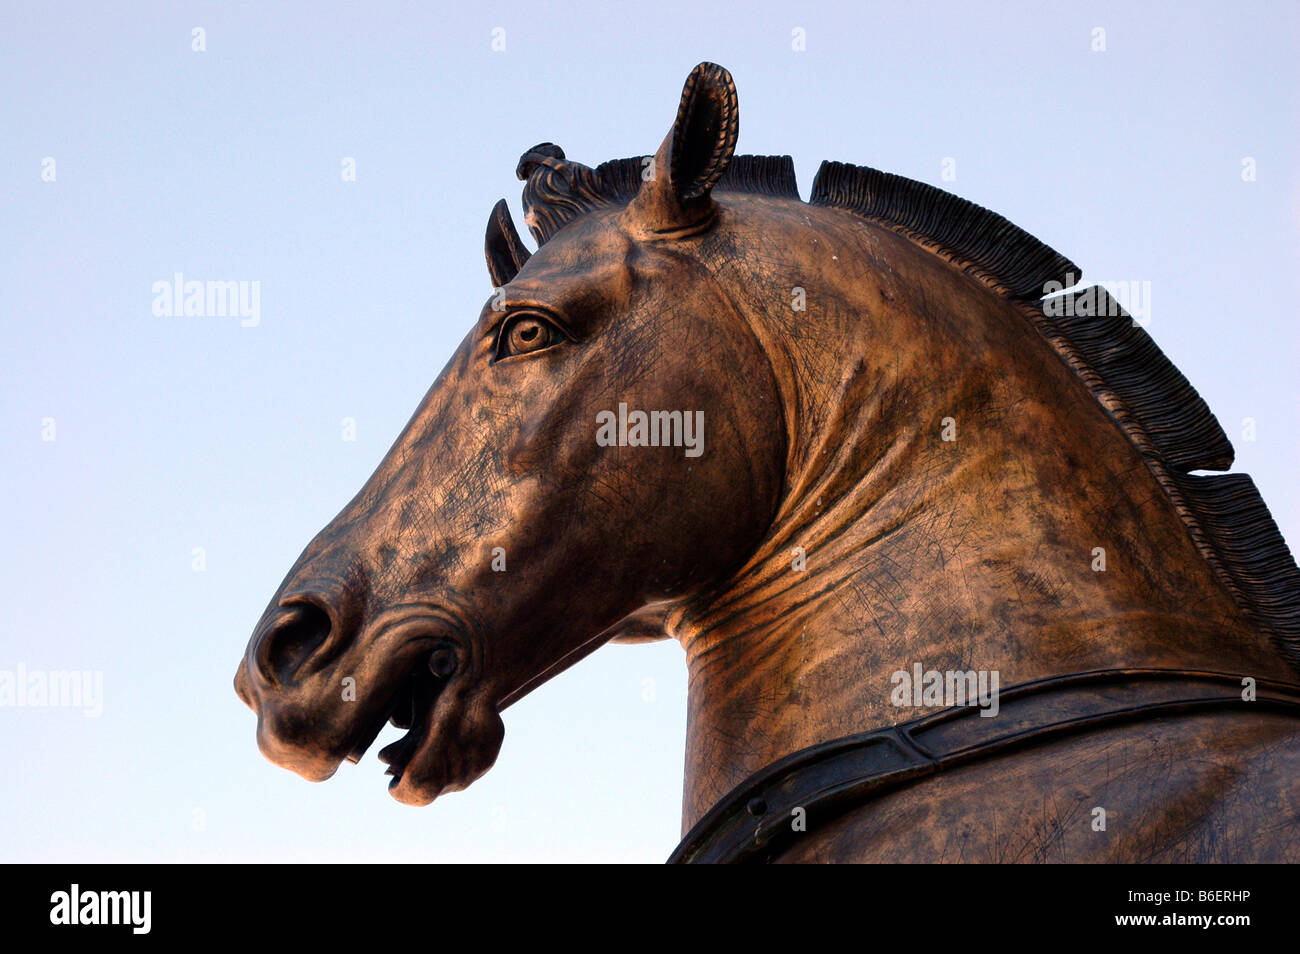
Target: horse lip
pixel 426 688
pixel 419 689
pixel 376 725
pixel 366 740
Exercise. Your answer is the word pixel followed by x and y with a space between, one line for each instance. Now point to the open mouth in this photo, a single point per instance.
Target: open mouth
pixel 411 709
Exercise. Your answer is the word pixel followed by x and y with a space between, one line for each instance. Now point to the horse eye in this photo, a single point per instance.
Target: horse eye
pixel 526 333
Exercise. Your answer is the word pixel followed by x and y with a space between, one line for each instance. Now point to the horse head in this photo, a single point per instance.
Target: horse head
pixel 574 466
pixel 817 442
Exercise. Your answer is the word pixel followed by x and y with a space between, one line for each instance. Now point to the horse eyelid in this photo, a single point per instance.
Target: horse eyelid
pixel 499 329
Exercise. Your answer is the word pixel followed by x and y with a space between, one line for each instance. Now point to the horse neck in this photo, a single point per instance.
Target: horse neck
pixel 895 546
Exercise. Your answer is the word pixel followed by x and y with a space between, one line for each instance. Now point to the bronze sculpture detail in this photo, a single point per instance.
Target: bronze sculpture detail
pixel 906 459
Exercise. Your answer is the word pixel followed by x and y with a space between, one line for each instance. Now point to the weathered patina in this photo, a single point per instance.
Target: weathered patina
pixel 906 458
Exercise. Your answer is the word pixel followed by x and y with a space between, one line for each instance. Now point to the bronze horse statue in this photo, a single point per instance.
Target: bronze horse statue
pixel 829 446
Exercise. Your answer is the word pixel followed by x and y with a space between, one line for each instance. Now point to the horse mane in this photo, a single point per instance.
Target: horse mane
pixel 1141 390
pixel 557 190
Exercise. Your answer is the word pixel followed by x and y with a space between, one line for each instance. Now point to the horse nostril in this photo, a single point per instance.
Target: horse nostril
pixel 292 641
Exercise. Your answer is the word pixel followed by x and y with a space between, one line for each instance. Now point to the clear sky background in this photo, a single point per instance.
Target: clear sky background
pixel 181 433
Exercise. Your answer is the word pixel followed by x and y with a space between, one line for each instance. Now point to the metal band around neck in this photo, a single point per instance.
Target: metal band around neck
pixel 753 822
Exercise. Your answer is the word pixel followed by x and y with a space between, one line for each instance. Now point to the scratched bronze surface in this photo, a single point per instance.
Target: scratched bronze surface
pixel 876 448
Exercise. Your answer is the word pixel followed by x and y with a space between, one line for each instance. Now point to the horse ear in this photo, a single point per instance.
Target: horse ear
pixel 504 249
pixel 703 139
pixel 694 154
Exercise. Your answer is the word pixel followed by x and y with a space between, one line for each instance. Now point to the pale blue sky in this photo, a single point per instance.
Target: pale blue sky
pixel 176 433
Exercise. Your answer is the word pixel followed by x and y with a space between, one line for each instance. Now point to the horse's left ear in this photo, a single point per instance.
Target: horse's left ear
pixel 675 195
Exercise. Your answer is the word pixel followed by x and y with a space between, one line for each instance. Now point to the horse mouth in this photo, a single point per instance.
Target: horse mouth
pixel 432 688
pixel 453 733
pixel 412 709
